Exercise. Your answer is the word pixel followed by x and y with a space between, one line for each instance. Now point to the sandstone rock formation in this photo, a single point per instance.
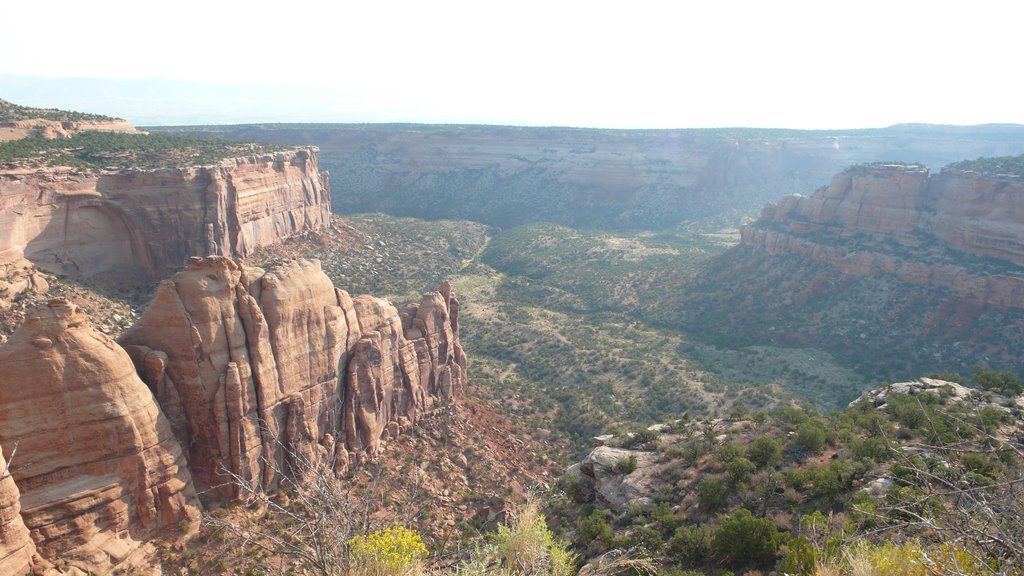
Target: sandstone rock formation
pixel 948 231
pixel 891 269
pixel 38 127
pixel 16 547
pixel 99 469
pixel 601 474
pixel 151 221
pixel 259 370
pixel 879 396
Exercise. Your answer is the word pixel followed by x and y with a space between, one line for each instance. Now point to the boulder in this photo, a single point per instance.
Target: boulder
pixel 602 473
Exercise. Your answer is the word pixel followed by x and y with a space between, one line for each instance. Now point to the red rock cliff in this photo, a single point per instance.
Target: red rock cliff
pixel 99 470
pixel 256 368
pixel 957 230
pixel 153 220
pixel 16 547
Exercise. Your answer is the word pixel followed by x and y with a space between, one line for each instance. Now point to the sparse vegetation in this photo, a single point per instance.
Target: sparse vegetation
pixel 1011 166
pixel 103 150
pixel 10 112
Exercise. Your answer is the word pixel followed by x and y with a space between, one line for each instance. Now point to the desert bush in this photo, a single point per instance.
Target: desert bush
pixel 690 544
pixel 526 547
pixel 745 540
pixel 810 438
pixel 740 470
pixel 396 551
pixel 595 528
pixel 764 451
pixel 712 494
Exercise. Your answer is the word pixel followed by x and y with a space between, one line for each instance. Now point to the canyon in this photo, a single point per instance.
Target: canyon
pixel 233 374
pixel 507 176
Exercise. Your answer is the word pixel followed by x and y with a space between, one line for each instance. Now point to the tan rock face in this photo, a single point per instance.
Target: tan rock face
pixel 99 469
pixel 152 221
pixel 926 230
pixel 53 129
pixel 16 547
pixel 257 368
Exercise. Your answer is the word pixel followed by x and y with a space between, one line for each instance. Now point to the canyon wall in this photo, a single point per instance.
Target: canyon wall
pixel 151 221
pixel 260 370
pixel 596 178
pixel 99 471
pixel 958 230
pixel 894 270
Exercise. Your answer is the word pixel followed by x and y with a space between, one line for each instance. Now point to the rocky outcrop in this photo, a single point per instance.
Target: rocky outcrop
pixel 19 276
pixel 960 231
pixel 99 470
pixel 152 221
pixel 879 396
pixel 52 129
pixel 16 546
pixel 618 478
pixel 259 370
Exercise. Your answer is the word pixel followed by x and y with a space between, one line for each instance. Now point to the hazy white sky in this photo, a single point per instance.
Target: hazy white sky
pixel 802 64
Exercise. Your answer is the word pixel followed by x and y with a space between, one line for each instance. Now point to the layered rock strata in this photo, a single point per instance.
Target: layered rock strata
pixel 260 371
pixel 957 230
pixel 16 546
pixel 52 129
pixel 99 470
pixel 152 221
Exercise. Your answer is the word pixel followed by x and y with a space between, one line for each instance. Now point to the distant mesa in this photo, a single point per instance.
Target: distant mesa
pixel 17 122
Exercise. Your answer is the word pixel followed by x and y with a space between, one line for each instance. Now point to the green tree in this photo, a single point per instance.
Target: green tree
pixel 810 437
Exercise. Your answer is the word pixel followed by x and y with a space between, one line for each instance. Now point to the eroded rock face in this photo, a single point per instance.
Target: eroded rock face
pixel 53 129
pixel 937 231
pixel 258 370
pixel 151 221
pixel 16 547
pixel 99 469
pixel 601 474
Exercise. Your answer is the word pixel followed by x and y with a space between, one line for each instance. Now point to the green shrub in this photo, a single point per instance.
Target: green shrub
pixel 690 544
pixel 764 451
pixel 1005 382
pixel 740 470
pixel 712 493
pixel 625 465
pixel 638 437
pixel 744 540
pixel 595 528
pixel 810 437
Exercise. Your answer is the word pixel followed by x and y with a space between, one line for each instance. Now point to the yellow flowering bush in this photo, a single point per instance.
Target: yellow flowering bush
pixel 396 551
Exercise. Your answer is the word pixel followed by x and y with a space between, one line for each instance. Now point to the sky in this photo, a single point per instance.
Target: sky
pixel 623 64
